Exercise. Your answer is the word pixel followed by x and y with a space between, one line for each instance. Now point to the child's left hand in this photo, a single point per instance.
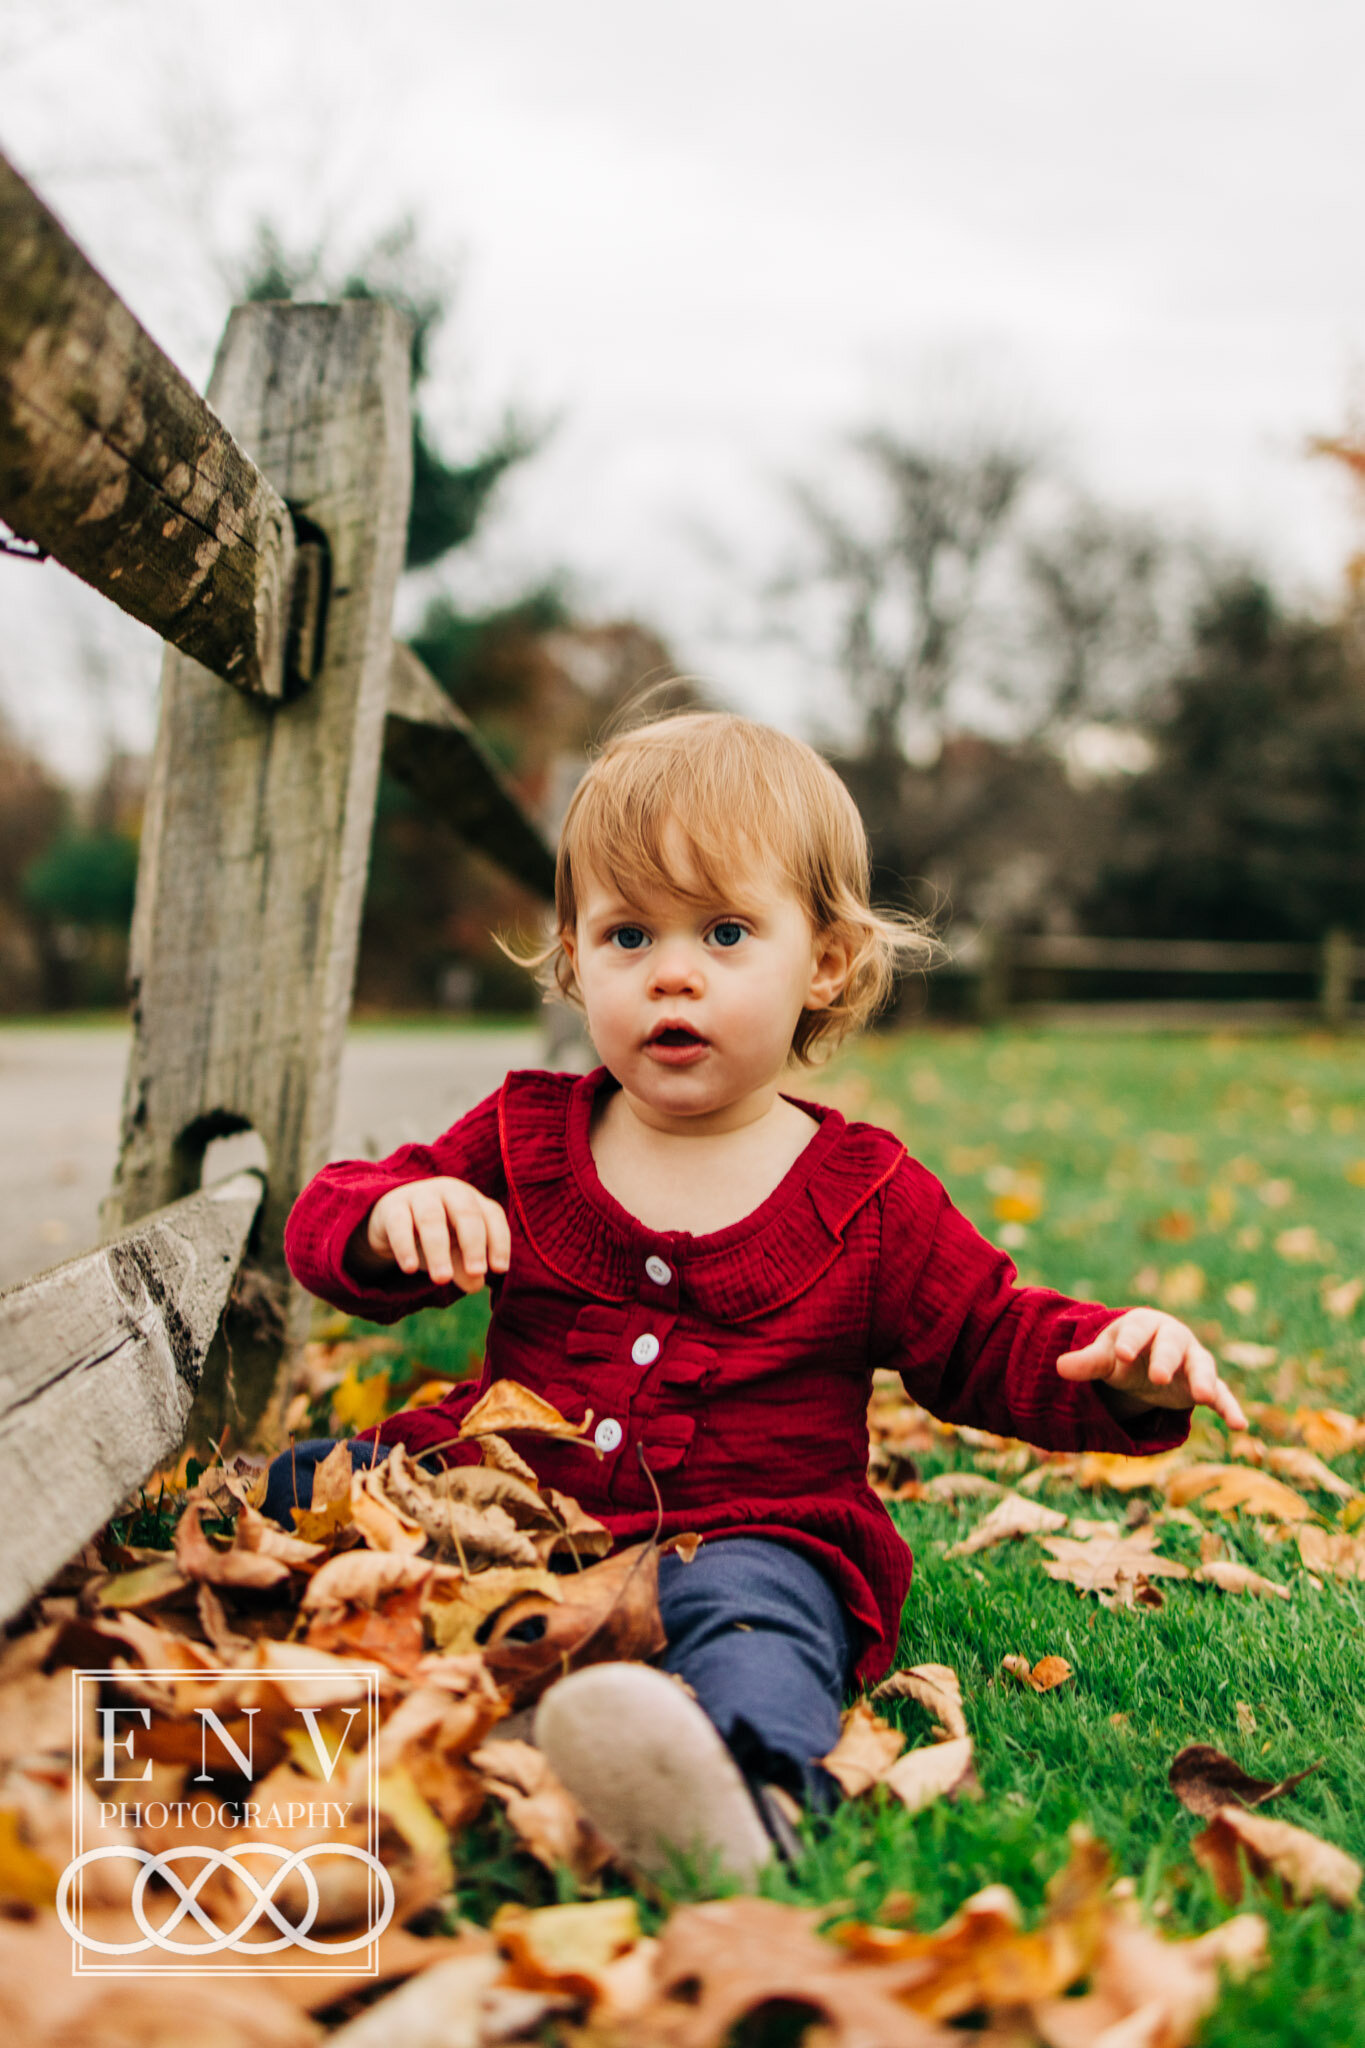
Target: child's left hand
pixel 1152 1360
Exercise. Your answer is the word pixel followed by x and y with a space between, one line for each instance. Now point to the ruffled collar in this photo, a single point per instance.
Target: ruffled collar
pixel 765 1259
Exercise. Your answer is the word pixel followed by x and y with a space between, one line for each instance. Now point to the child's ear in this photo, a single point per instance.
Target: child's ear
pixel 829 975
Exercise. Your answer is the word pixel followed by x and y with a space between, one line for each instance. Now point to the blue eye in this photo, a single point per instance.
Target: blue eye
pixel 628 931
pixel 728 945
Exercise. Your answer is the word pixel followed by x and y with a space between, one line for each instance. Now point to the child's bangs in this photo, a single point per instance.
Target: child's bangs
pixel 636 825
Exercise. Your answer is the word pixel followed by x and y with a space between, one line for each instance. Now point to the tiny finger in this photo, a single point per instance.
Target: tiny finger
pixel 499 1235
pixel 398 1229
pixel 435 1235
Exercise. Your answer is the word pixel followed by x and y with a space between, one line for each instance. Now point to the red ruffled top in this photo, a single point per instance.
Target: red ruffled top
pixel 730 1370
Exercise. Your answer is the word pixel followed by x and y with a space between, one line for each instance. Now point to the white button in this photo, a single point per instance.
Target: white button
pixel 645 1350
pixel 607 1434
pixel 659 1270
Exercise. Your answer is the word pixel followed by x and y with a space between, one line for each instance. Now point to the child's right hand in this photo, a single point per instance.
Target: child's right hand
pixel 443 1227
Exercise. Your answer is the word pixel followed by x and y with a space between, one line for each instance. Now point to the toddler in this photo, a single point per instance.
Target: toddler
pixel 714 1267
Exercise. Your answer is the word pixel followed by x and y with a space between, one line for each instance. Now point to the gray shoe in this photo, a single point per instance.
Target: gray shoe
pixel 650 1770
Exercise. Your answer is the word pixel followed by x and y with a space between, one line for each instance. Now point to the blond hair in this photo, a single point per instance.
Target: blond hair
pixel 738 791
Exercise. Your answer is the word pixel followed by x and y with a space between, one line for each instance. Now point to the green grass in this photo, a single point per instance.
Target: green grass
pixel 1156 1154
pixel 1123 1132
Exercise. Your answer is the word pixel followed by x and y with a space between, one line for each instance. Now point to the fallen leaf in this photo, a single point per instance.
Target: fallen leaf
pixel 1344 1299
pixel 936 1687
pixel 866 1749
pixel 1305 1864
pixel 1015 1515
pixel 1303 1245
pixel 1105 1563
pixel 1220 1489
pixel 198 1558
pixel 566 1949
pixel 1246 1718
pixel 1044 1675
pixel 508 1405
pixel 935 1771
pixel 1329 1431
pixel 1232 1577
pixel 1205 1780
pixel 947 1486
pixel 1249 1357
pixel 26 1878
pixel 445 2004
pixel 544 1814
pixel 609 1610
pixel 1327 1550
pixel 1146 1992
pixel 457 1609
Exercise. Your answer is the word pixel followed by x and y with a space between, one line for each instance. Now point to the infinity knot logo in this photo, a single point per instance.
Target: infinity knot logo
pixel 263 1904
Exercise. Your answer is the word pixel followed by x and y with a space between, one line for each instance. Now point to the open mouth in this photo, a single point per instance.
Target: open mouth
pixel 676 1034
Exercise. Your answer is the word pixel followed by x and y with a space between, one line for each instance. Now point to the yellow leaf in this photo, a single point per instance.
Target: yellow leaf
pixel 26 1878
pixel 360 1403
pixel 1181 1286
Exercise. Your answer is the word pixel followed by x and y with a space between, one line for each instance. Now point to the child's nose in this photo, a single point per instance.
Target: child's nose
pixel 677 964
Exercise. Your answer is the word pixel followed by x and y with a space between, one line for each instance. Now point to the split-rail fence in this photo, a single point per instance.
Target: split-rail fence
pixel 260 532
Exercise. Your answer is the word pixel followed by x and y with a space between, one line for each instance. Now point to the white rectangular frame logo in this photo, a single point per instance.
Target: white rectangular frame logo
pixel 351 1963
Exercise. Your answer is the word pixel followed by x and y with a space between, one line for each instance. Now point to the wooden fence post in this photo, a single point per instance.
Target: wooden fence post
pixel 257 832
pixel 1336 979
pixel 993 975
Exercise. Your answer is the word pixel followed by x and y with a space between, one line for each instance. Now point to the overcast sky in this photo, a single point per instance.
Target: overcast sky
pixel 710 238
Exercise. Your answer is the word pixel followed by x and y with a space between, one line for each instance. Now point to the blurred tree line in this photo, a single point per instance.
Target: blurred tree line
pixel 1058 717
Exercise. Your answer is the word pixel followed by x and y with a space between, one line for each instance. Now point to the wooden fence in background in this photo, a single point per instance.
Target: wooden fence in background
pixel 1004 969
pixel 260 533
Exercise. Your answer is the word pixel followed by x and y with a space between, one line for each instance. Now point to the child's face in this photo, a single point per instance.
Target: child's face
pixel 736 972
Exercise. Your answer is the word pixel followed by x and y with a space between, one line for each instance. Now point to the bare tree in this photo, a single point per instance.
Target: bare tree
pixel 1097 623
pixel 905 577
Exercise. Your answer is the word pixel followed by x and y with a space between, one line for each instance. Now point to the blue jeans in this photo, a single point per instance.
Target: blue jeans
pixel 756 1630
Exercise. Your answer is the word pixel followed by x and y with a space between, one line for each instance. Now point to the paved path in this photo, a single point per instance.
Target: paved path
pixel 61 1085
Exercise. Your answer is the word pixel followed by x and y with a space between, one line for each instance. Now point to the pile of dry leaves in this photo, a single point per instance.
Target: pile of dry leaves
pixel 467 1592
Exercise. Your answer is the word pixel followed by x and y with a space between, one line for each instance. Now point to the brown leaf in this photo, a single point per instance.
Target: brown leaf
pixel 1046 1674
pixel 947 1486
pixel 1237 1578
pixel 198 1559
pixel 719 1962
pixel 936 1687
pixel 866 1749
pixel 1147 1992
pixel 568 1949
pixel 1015 1515
pixel 1221 1488
pixel 1205 1780
pixel 1103 1564
pixel 1292 1461
pixel 508 1405
pixel 360 1578
pixel 935 1771
pixel 610 1610
pixel 1328 1550
pixel 1305 1865
pixel 389 1632
pixel 546 1817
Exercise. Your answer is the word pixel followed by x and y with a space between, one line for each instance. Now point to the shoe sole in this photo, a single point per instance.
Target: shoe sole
pixel 650 1770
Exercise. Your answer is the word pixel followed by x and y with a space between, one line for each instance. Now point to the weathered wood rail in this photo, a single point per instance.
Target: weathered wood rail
pixel 260 532
pixel 995 961
pixel 102 1359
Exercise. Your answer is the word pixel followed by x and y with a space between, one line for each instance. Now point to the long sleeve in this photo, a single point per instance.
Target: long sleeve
pixel 337 1200
pixel 974 1347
